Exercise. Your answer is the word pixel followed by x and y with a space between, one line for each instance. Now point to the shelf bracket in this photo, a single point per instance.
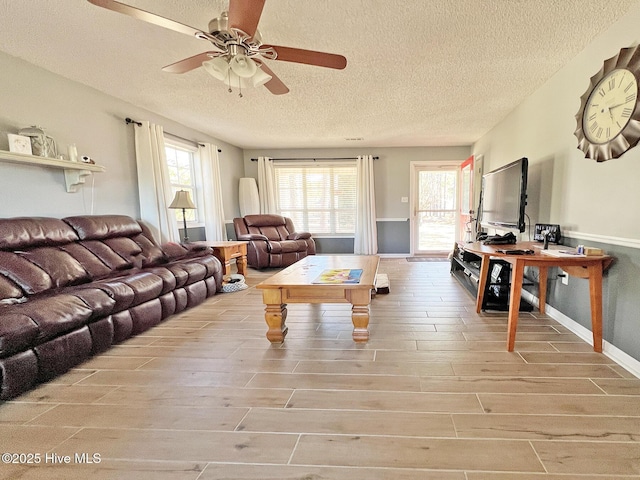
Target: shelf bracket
pixel 74 178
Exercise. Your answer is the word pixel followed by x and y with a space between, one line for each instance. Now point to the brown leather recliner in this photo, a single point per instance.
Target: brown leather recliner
pixel 273 241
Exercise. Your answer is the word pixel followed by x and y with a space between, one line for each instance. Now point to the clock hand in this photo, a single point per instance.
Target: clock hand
pixel 618 105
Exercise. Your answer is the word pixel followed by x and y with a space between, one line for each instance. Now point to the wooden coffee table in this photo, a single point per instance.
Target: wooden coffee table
pixel 295 284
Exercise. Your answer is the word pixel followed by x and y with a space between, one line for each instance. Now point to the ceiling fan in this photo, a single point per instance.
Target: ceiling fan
pixel 238 54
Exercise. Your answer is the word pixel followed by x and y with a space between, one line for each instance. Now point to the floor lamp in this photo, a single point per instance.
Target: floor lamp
pixel 182 201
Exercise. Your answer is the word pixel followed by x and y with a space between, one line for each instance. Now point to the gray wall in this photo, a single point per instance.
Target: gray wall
pixel 392 182
pixel 595 203
pixel 73 113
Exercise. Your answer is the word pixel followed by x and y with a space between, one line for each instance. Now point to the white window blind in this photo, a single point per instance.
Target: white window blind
pixel 319 198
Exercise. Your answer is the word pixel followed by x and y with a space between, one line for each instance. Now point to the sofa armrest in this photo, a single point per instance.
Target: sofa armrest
pixel 298 236
pixel 252 236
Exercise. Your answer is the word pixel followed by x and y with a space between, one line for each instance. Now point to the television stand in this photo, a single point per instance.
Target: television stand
pixel 583 266
pixel 465 267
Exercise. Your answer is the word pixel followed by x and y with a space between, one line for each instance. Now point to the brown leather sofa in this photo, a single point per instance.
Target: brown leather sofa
pixel 273 241
pixel 71 288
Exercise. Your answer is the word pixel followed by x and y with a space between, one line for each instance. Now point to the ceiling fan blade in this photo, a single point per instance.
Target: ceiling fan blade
pixel 245 15
pixel 190 63
pixel 274 85
pixel 147 16
pixel 309 57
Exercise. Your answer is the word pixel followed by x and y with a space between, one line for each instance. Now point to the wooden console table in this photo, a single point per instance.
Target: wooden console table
pixel 226 251
pixel 590 267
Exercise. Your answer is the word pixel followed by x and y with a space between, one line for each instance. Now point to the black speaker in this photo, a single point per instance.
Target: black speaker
pixel 554 232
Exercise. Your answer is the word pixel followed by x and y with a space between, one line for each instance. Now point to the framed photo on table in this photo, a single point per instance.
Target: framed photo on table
pixel 19 144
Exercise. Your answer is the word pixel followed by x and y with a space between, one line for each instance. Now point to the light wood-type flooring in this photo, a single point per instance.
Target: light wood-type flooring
pixel 433 395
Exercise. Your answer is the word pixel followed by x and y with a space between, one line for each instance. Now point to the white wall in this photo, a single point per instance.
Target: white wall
pixel 595 203
pixel 73 113
pixel 581 195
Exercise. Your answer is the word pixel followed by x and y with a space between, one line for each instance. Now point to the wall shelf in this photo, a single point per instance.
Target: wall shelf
pixel 74 172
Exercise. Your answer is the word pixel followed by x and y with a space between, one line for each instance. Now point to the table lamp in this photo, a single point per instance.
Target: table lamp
pixel 182 200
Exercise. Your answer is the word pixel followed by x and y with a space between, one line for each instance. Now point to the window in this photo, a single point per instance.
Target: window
pixel 181 162
pixel 319 198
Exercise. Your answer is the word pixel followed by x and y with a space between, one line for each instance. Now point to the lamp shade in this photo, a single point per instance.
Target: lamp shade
pixel 217 67
pixel 243 66
pixel 182 200
pixel 249 201
pixel 260 78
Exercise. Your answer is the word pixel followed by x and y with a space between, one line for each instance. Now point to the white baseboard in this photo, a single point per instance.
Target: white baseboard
pixel 623 359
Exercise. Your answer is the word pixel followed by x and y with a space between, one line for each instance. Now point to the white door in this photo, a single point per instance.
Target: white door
pixel 435 218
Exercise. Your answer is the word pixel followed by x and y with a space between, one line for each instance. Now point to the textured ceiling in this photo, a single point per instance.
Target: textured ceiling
pixel 419 72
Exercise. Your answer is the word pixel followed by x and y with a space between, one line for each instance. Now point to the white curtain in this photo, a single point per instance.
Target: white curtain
pixel 154 187
pixel 214 226
pixel 266 185
pixel 366 238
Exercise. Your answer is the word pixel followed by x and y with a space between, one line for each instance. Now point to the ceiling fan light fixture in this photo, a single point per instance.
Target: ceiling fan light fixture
pixel 217 67
pixel 243 66
pixel 260 78
pixel 235 81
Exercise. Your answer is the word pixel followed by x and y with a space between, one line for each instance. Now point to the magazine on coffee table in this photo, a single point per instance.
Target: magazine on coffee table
pixel 339 276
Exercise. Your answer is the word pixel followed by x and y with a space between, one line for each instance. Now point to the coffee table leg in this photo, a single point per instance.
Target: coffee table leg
pixel 360 318
pixel 275 315
pixel 360 300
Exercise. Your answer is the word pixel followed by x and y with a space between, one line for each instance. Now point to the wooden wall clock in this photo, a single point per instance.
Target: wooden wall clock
pixel 609 116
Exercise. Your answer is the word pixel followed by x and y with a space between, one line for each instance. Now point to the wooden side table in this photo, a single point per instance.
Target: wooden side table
pixel 225 251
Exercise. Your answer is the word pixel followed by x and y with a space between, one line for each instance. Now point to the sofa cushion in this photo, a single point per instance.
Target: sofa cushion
pixel 106 254
pixel 59 265
pixel 18 233
pixel 127 249
pixel 168 278
pixel 151 253
pixel 9 290
pixel 264 220
pixel 55 314
pixel 194 270
pixel 100 227
pixel 287 246
pixel 99 301
pixel 95 267
pixel 28 276
pixel 131 290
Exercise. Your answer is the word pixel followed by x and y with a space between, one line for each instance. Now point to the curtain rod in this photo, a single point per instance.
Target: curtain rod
pixel 129 121
pixel 317 158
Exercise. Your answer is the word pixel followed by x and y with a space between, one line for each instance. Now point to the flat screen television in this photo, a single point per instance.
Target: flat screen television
pixel 504 196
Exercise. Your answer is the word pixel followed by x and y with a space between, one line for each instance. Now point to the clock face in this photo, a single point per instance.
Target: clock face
pixel 610 106
pixel 608 121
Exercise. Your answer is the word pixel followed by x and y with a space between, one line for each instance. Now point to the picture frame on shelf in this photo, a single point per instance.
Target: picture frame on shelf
pixel 19 144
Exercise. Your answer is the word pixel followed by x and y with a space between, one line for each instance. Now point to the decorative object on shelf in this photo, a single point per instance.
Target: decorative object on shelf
pixel 42 145
pixel 609 116
pixel 19 144
pixel 73 152
pixel 248 197
pixel 86 159
pixel 182 201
